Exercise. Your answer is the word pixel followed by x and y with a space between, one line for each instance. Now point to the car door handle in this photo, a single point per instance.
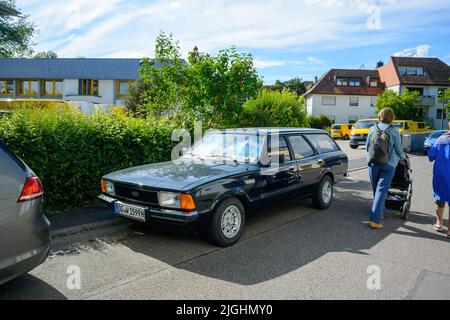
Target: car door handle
pixel 292 168
pixel 321 162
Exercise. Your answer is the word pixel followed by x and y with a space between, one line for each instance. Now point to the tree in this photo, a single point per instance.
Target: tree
pixel 16 34
pixel 404 105
pixel 295 85
pixel 220 85
pixel 274 109
pixel 445 99
pixel 45 55
pixel 208 88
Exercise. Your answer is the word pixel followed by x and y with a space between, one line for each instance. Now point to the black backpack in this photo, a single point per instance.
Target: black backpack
pixel 380 146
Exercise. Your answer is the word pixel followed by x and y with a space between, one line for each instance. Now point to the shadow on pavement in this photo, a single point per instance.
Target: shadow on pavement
pixel 29 288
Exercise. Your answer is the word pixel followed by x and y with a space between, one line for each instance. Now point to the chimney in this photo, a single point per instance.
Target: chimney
pixel 316 79
pixel 380 64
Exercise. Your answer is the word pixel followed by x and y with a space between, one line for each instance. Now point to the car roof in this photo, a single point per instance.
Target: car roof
pixel 274 130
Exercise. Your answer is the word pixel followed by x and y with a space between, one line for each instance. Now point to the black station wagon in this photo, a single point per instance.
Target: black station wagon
pixel 226 175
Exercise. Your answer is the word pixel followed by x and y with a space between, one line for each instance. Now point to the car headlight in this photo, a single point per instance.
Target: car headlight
pixel 176 200
pixel 169 199
pixel 109 188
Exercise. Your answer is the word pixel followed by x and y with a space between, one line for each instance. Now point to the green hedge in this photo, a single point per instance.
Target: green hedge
pixel 70 151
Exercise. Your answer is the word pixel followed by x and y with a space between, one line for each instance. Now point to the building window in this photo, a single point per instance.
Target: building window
pixel 328 101
pixel 88 87
pixel 354 83
pixel 28 88
pixel 412 71
pixel 354 101
pixel 52 88
pixel 6 87
pixel 373 83
pixel 342 82
pixel 440 114
pixel 373 102
pixel 122 87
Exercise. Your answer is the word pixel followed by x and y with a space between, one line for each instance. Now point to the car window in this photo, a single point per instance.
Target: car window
pixel 322 142
pixel 300 147
pixel 283 149
pixel 335 127
pixel 7 155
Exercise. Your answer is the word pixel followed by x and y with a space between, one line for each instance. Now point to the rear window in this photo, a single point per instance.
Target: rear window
pixel 7 154
pixel 323 143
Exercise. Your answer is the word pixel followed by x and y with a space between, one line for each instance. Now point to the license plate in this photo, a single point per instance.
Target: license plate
pixel 130 211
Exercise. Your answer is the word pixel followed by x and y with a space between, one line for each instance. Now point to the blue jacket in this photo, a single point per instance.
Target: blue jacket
pixel 440 154
pixel 395 144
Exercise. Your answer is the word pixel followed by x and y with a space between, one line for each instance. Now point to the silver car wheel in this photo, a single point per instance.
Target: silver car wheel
pixel 231 222
pixel 327 192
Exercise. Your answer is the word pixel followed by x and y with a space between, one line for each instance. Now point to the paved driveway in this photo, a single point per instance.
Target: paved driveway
pixel 291 252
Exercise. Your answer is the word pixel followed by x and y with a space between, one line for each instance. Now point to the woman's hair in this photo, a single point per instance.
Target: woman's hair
pixel 386 115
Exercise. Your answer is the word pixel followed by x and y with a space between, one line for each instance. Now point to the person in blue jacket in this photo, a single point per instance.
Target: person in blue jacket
pixel 440 154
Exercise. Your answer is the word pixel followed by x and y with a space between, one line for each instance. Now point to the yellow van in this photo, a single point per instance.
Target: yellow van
pixel 360 131
pixel 408 126
pixel 341 131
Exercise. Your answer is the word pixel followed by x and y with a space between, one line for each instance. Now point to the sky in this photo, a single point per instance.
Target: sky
pixel 287 38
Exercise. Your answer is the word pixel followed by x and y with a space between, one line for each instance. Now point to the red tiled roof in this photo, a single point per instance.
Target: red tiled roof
pixel 437 71
pixel 327 84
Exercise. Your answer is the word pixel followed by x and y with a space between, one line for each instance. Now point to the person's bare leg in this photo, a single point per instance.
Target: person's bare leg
pixel 440 216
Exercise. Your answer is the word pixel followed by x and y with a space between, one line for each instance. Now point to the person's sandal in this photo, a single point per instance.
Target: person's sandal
pixel 437 228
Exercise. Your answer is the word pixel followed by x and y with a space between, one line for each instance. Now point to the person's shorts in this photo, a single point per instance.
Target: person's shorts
pixel 441 204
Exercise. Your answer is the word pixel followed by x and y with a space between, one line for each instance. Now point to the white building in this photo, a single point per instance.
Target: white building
pixel 428 76
pixel 99 81
pixel 345 96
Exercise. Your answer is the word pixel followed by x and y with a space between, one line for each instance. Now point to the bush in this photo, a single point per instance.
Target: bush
pixel 319 122
pixel 70 151
pixel 26 103
pixel 274 109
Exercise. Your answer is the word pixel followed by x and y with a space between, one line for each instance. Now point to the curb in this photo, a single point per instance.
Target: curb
pixel 64 232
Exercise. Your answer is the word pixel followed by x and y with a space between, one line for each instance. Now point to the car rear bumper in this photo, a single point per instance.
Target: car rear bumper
pixel 152 213
pixel 358 141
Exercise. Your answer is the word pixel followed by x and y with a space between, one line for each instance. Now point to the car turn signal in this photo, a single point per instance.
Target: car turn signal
pixel 187 202
pixel 102 182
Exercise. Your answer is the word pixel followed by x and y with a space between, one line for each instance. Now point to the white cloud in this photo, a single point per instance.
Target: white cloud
pixel 262 64
pixel 421 51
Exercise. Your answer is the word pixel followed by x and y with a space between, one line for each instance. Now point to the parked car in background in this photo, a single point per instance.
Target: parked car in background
pixel 360 131
pixel 408 126
pixel 431 140
pixel 341 131
pixel 226 176
pixel 24 229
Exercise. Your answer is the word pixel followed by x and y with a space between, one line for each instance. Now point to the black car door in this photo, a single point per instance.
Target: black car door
pixel 280 178
pixel 309 164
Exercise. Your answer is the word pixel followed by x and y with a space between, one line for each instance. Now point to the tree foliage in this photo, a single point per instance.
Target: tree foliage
pixel 208 88
pixel 16 34
pixel 445 100
pixel 46 55
pixel 404 105
pixel 274 109
pixel 295 85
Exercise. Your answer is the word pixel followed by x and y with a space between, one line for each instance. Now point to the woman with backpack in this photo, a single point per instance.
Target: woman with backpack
pixel 384 150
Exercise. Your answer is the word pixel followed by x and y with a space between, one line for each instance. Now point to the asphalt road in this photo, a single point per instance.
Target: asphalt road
pixel 290 252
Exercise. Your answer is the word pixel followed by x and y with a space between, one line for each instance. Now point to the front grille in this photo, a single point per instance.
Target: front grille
pixel 133 193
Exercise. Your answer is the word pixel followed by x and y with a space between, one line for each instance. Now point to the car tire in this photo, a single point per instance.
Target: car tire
pixel 227 223
pixel 323 195
pixel 354 147
pixel 346 137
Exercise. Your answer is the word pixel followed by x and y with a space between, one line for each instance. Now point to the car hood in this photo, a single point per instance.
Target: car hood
pixel 182 177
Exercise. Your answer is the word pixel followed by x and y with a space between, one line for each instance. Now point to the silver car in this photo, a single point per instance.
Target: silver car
pixel 24 230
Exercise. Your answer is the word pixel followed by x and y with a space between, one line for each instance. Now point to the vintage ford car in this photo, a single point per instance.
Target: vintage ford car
pixel 227 175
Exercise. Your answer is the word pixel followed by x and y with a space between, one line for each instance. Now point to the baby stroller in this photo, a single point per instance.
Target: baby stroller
pixel 400 192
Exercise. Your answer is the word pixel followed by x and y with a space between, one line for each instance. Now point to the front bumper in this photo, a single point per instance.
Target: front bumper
pixel 358 140
pixel 153 213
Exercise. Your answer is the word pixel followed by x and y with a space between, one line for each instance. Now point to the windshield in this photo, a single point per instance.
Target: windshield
pixel 335 127
pixel 398 125
pixel 365 124
pixel 437 134
pixel 240 147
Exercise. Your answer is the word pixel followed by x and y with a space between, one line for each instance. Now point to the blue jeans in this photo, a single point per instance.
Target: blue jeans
pixel 381 177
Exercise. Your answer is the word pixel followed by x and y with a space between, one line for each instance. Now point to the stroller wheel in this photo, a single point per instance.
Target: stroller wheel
pixel 405 210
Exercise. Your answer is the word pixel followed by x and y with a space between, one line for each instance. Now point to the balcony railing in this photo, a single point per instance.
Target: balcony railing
pixel 427 101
